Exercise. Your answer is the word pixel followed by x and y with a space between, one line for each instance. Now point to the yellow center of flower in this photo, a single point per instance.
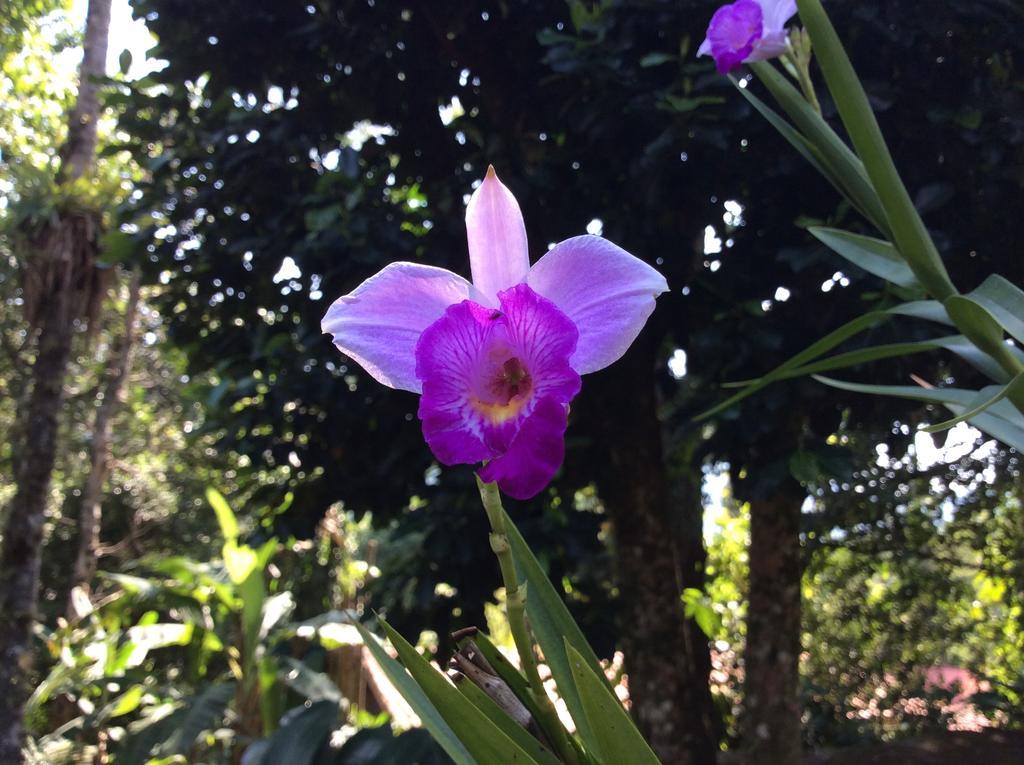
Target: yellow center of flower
pixel 507 393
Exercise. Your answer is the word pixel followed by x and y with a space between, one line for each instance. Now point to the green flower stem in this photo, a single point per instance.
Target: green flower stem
pixel 807 86
pixel 799 57
pixel 909 232
pixel 515 601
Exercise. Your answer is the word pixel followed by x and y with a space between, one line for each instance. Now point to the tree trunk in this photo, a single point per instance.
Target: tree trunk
pixel 79 152
pixel 19 566
pixel 60 284
pixel 89 523
pixel 771 711
pixel 666 655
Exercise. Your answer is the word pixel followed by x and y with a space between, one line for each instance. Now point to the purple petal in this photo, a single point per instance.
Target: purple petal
pixel 498 254
pixel 772 45
pixel 449 358
pixel 608 294
pixel 776 13
pixel 535 454
pixel 545 338
pixel 380 321
pixel 485 370
pixel 733 31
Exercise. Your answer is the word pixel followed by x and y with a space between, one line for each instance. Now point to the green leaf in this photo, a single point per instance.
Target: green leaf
pixel 158 725
pixel 485 741
pixel 862 356
pixel 975 321
pixel 271 691
pixel 315 686
pixel 812 352
pixel 803 466
pixel 986 399
pixel 515 680
pixel 976 357
pixel 1001 420
pixel 832 151
pixel 512 676
pixel 252 593
pixel 908 230
pixel 526 741
pixel 1004 301
pixel 204 712
pixel 617 738
pixel 858 197
pixel 553 627
pixel 698 607
pixel 298 741
pixel 239 560
pixel 226 518
pixel 418 700
pixel 807 361
pixel 929 310
pixel 118 247
pixel 656 59
pixel 144 638
pixel 124 61
pixel 875 256
pixel 134 585
pixel 126 702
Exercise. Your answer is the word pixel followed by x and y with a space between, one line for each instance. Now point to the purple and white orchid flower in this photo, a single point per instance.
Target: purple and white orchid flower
pixel 747 30
pixel 498 360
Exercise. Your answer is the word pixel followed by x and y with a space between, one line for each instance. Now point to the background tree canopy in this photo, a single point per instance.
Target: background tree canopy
pixel 287 151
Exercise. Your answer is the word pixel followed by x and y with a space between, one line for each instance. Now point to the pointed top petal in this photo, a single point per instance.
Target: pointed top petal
pixel 498 254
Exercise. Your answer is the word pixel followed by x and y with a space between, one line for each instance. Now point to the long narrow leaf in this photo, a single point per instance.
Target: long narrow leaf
pixel 929 310
pixel 307 682
pixel 205 712
pixel 807 150
pixel 957 344
pixel 156 727
pixel 526 741
pixel 986 399
pixel 976 322
pixel 512 676
pixel 875 256
pixel 861 356
pixel 618 740
pixel 225 517
pixel 908 230
pixel 809 354
pixel 977 358
pixel 1005 301
pixel 418 700
pixel 1001 420
pixel 488 743
pixel 298 741
pixel 515 680
pixel 553 627
pixel 841 160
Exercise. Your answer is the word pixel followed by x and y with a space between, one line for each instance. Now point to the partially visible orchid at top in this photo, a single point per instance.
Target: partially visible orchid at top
pixel 497 360
pixel 747 30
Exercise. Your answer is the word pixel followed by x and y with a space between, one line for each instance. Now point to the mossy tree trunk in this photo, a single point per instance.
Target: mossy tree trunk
pixel 60 286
